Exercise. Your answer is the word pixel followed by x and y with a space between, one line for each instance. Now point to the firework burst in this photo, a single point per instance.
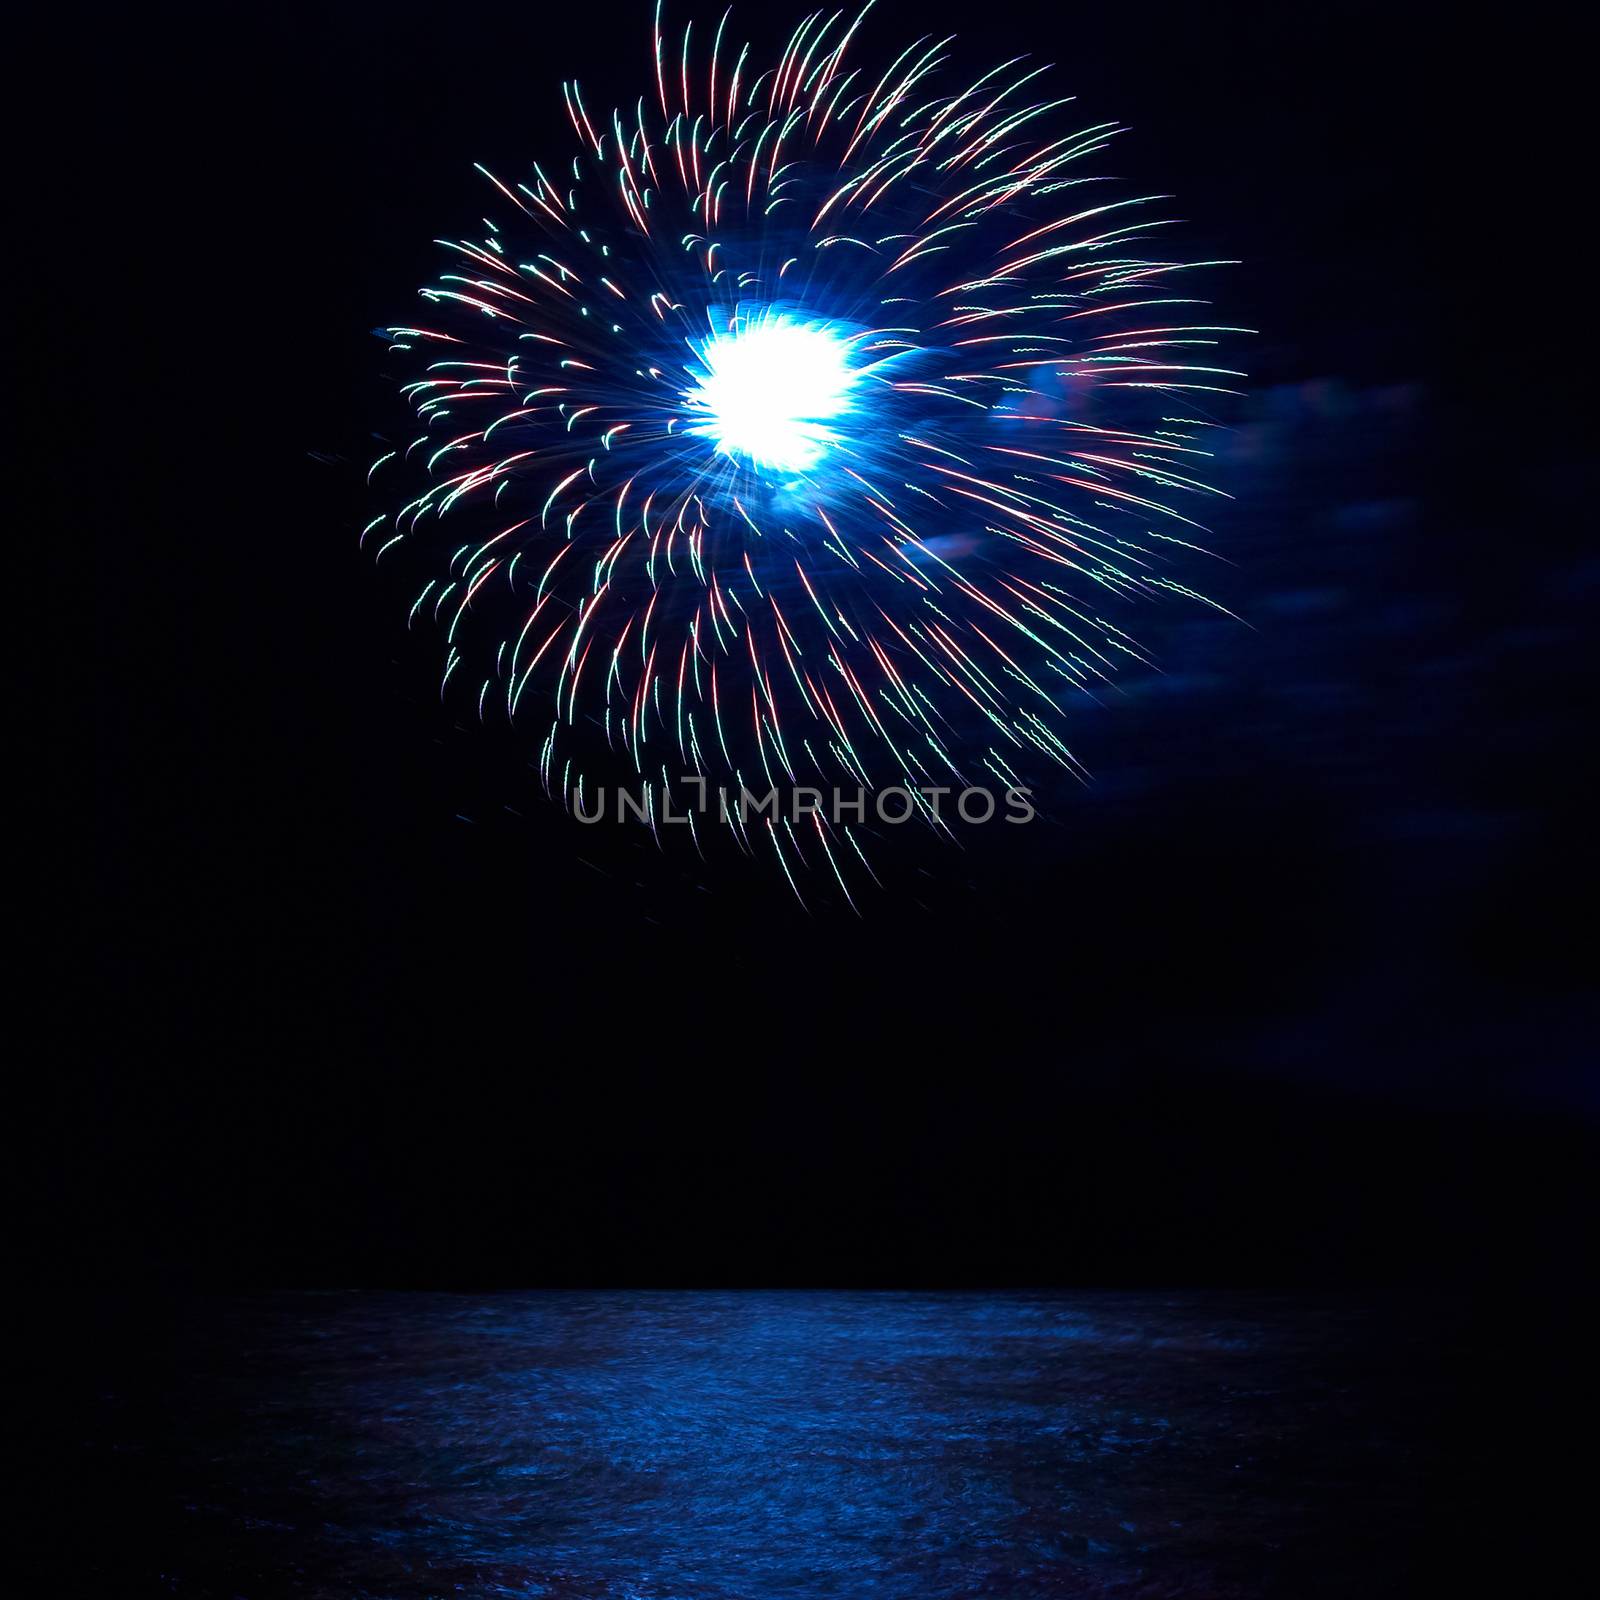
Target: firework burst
pixel 811 425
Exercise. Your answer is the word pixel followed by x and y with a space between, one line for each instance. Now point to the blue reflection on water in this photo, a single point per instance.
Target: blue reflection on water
pixel 661 1446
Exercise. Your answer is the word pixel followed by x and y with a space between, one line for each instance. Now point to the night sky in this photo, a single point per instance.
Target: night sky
pixel 1292 993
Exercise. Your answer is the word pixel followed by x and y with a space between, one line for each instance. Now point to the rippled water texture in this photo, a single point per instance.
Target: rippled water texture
pixel 735 1446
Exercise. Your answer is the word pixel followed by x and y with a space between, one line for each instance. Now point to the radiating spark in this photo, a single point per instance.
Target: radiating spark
pixel 823 425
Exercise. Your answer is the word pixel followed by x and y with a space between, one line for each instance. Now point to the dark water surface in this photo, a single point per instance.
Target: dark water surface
pixel 736 1446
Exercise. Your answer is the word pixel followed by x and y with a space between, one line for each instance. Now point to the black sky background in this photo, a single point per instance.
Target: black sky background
pixel 1297 993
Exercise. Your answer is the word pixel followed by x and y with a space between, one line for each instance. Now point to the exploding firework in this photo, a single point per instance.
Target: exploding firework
pixel 812 426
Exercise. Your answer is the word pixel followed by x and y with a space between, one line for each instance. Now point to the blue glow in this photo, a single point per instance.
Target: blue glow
pixel 768 1445
pixel 770 387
